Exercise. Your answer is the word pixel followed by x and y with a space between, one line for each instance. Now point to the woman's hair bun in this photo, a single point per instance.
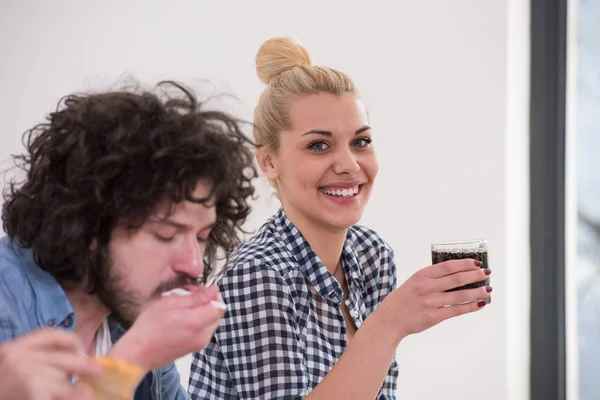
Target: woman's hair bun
pixel 280 54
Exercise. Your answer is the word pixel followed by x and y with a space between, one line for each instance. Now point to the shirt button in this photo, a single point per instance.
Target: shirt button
pixel 68 322
pixel 51 322
pixel 354 314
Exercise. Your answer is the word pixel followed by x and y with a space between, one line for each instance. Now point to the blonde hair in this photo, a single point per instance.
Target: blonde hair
pixel 285 66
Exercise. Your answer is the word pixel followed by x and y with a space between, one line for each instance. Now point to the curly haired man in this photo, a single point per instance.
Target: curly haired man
pixel 127 195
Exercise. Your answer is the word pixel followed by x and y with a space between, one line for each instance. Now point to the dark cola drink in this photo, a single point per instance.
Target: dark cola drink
pixel 476 250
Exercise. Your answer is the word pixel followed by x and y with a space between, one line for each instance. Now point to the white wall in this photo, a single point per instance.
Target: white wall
pixel 434 75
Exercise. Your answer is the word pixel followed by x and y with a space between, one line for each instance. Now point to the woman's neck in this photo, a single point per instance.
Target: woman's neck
pixel 326 243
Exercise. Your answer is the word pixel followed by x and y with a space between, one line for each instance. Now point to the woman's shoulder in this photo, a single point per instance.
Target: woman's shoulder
pixel 264 251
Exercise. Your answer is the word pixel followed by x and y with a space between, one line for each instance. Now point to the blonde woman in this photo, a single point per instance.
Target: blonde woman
pixel 313 311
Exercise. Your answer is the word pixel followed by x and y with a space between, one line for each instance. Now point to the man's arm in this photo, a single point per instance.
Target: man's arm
pixel 171 384
pixel 7 328
pixel 179 325
pixel 8 321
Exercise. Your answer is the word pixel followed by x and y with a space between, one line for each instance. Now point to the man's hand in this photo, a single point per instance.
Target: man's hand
pixel 170 328
pixel 39 366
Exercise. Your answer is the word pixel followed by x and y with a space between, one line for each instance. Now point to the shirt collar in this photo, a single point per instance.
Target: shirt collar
pixel 52 302
pixel 310 264
pixel 116 329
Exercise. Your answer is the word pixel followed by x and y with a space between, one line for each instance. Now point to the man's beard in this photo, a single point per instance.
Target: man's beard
pixel 125 305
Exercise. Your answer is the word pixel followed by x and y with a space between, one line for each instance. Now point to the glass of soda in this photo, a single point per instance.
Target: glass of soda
pixel 475 249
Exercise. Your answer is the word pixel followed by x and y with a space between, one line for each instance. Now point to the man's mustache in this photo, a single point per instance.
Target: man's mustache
pixel 177 282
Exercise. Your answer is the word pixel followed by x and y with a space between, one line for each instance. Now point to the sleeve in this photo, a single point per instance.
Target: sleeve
pixel 170 384
pixel 7 327
pixel 209 377
pixel 388 274
pixel 8 321
pixel 388 281
pixel 256 352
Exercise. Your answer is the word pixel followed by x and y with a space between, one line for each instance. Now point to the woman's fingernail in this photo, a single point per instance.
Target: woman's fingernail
pixel 487 271
pixel 488 289
pixel 481 304
pixel 478 263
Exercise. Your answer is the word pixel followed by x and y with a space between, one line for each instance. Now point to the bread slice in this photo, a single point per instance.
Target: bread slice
pixel 117 383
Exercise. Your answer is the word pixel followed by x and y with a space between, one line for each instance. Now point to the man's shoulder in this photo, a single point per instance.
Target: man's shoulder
pixel 12 272
pixel 8 254
pixel 16 295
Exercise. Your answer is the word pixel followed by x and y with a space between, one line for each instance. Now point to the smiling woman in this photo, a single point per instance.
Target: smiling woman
pixel 339 165
pixel 308 294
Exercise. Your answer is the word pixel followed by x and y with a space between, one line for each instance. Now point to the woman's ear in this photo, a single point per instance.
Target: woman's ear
pixel 268 163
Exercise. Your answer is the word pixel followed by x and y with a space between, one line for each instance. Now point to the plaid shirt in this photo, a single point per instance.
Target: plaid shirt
pixel 284 329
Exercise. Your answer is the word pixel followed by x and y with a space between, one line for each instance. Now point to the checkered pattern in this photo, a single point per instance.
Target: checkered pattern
pixel 284 329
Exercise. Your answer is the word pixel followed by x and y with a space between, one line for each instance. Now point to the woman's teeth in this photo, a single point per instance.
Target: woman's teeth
pixel 346 192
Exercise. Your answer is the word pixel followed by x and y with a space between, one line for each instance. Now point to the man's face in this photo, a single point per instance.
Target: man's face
pixel 165 253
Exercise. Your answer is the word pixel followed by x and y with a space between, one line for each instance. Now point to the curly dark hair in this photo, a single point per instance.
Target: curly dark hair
pixel 109 158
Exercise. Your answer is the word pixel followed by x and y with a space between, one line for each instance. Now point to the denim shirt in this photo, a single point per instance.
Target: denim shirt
pixel 31 299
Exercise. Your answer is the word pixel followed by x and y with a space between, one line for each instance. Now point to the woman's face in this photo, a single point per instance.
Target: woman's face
pixel 325 165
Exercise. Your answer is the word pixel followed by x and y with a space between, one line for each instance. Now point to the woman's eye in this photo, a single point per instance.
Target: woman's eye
pixel 318 146
pixel 362 142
